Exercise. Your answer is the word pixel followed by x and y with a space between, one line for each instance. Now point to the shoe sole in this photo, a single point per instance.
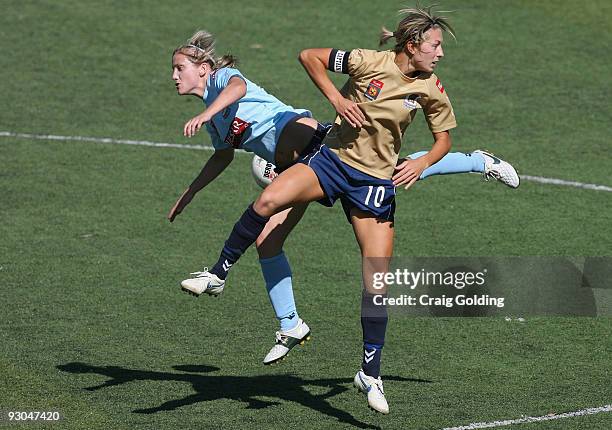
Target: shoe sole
pixel 188 291
pixel 301 343
pixel 377 411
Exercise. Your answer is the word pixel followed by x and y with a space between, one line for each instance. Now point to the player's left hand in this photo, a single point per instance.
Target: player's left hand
pixel 180 204
pixel 194 124
pixel 408 172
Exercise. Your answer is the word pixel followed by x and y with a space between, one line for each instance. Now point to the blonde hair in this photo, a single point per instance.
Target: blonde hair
pixel 412 28
pixel 200 48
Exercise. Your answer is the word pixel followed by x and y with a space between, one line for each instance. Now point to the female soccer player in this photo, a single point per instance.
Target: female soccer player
pixel 240 114
pixel 357 162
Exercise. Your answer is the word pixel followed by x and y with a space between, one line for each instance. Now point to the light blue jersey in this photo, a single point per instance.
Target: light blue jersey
pixel 253 123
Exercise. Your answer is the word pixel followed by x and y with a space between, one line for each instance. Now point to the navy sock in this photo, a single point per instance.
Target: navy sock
pixel 374 325
pixel 245 232
pixel 371 359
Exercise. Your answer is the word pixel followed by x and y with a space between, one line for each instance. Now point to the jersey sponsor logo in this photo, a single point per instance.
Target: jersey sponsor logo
pixel 412 101
pixel 236 132
pixel 439 85
pixel 374 89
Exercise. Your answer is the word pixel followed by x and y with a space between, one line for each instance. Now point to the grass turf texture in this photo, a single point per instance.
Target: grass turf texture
pixel 89 266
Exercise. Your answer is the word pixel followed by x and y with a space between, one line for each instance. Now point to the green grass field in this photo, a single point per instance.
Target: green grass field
pixel 93 321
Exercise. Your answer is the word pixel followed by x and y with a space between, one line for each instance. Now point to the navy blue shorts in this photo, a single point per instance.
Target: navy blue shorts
pixel 354 188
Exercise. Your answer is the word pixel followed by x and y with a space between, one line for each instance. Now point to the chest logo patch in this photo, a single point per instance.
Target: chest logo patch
pixel 439 85
pixel 374 89
pixel 236 132
pixel 412 101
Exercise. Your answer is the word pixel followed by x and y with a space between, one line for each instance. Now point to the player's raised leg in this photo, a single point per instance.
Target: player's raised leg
pixel 489 165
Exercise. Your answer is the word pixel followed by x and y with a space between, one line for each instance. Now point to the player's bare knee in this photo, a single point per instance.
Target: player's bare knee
pixel 267 204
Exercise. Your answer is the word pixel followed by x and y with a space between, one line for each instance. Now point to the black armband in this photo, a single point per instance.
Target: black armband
pixel 338 61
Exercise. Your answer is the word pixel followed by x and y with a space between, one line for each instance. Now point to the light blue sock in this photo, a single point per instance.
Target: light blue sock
pixel 277 274
pixel 453 162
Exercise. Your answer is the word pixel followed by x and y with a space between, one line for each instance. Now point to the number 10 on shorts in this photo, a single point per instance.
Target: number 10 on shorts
pixel 379 195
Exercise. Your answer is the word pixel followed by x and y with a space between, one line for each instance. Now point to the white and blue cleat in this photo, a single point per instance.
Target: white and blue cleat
pixel 203 282
pixel 286 340
pixel 373 389
pixel 499 170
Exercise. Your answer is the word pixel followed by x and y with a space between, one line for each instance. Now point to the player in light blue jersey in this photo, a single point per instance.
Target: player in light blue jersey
pixel 241 115
pixel 254 123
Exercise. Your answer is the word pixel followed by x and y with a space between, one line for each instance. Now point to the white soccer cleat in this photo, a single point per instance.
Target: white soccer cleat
pixel 373 389
pixel 204 282
pixel 498 169
pixel 286 340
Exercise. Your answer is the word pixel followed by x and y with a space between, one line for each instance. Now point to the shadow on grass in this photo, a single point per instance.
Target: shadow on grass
pixel 241 388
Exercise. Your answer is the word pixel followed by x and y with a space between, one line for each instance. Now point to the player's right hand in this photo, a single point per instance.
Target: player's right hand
pixel 350 111
pixel 180 204
pixel 192 126
pixel 408 171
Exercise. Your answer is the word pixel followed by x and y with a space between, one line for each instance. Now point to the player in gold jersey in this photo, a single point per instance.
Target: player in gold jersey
pixel 376 105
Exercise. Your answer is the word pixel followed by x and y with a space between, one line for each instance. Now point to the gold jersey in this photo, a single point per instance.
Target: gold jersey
pixel 389 101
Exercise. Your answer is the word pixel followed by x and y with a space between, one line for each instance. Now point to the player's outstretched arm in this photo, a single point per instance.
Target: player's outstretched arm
pixel 213 168
pixel 234 91
pixel 408 171
pixel 315 61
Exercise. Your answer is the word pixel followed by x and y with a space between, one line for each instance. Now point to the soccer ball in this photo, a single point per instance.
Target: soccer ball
pixel 263 171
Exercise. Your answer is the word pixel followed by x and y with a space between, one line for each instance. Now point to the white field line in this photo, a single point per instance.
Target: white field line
pixel 106 140
pixel 553 181
pixel 538 179
pixel 525 420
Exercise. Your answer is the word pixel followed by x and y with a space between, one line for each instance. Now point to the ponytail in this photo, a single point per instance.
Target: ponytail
pixel 413 26
pixel 200 48
pixel 385 35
